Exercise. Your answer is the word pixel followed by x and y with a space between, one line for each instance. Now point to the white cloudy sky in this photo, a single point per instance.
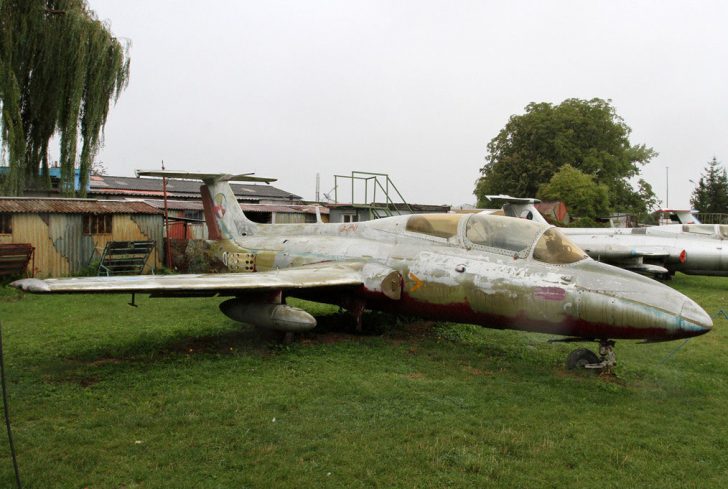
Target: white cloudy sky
pixel 415 89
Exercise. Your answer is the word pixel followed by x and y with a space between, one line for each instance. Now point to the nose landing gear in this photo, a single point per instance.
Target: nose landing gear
pixel 586 359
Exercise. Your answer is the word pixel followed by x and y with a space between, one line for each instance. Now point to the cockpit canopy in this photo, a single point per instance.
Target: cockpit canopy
pixel 438 225
pixel 499 234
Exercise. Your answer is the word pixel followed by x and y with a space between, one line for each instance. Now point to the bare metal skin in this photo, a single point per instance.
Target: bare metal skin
pixel 494 271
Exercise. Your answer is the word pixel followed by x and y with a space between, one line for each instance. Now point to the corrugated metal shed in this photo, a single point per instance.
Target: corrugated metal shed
pixel 55 228
pixel 74 206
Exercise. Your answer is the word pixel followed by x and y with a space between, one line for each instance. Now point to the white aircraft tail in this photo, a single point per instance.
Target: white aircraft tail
pixel 225 219
pixel 519 207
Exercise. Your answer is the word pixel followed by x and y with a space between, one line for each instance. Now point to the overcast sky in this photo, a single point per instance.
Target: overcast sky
pixel 415 89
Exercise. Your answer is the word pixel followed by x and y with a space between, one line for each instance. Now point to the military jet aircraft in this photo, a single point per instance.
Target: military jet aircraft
pixel 493 271
pixel 696 250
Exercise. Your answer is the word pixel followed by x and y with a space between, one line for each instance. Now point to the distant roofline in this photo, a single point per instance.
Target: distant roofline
pixel 61 205
pixel 103 184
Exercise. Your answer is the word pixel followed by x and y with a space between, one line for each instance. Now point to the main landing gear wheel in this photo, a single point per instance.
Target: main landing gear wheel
pixel 579 359
pixel 585 359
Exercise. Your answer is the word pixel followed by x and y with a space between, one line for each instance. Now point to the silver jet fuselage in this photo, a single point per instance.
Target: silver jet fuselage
pixel 494 271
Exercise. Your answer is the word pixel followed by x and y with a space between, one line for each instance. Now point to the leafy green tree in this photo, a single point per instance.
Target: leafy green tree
pixel 586 134
pixel 59 69
pixel 581 194
pixel 711 193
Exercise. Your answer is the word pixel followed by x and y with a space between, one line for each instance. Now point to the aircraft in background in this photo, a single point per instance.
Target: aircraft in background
pixel 493 271
pixel 658 250
pixel 685 221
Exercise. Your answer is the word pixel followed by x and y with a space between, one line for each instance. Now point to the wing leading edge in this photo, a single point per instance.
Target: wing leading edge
pixel 322 275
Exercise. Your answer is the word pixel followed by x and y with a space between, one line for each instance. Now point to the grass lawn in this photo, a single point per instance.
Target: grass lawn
pixel 174 394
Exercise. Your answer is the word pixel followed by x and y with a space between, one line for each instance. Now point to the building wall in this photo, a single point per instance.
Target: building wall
pixel 360 214
pixel 61 248
pixel 293 218
pixel 187 230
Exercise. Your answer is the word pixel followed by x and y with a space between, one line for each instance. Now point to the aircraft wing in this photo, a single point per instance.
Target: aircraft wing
pixel 629 254
pixel 373 277
pixel 637 260
pixel 325 275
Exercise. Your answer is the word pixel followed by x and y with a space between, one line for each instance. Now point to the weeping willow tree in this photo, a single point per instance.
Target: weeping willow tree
pixel 60 68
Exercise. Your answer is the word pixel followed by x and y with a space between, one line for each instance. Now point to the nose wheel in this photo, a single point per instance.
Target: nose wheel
pixel 585 359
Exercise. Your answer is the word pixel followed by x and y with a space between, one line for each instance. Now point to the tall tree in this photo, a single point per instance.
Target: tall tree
pixel 581 194
pixel 586 134
pixel 60 67
pixel 711 193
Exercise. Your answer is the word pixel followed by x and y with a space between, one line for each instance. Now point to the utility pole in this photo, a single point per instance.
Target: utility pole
pixel 667 187
pixel 167 247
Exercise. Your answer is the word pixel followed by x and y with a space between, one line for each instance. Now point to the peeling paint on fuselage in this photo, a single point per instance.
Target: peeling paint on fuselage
pixel 443 279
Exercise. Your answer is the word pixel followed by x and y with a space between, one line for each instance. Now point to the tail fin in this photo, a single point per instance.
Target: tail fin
pixel 519 207
pixel 225 219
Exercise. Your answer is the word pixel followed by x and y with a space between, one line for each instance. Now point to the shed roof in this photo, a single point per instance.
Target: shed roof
pixel 34 205
pixel 152 187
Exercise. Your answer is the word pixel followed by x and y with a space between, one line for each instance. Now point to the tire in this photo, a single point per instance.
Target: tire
pixel 578 359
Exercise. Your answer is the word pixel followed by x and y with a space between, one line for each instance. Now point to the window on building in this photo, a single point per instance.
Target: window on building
pixel 197 215
pixel 351 218
pixel 6 224
pixel 97 224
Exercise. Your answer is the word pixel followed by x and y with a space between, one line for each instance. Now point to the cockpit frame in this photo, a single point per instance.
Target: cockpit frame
pixel 507 236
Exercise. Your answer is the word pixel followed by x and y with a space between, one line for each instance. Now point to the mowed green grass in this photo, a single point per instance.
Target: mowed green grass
pixel 174 394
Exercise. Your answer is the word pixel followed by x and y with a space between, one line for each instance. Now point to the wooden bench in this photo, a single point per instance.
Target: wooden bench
pixel 125 257
pixel 14 258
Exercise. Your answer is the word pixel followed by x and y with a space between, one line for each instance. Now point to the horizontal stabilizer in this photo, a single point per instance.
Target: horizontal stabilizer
pixel 208 178
pixel 512 200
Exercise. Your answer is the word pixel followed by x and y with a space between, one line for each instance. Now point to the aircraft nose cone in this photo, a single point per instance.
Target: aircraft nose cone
pixel 694 320
pixel 638 307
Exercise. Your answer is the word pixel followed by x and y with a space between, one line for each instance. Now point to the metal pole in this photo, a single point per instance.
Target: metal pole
pixel 7 412
pixel 167 248
pixel 667 187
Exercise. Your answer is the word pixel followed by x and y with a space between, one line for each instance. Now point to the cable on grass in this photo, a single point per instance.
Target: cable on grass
pixel 6 411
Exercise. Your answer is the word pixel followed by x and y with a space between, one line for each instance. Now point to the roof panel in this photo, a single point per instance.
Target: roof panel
pixel 74 206
pixel 153 186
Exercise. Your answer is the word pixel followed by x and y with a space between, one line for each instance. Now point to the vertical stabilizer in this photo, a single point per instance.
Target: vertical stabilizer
pixel 225 219
pixel 523 208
